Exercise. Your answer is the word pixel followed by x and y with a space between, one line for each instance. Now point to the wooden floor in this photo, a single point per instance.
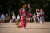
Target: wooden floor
pixel 30 28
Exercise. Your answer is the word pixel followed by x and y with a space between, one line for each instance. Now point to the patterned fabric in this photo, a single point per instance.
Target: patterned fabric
pixel 23 18
pixel 42 14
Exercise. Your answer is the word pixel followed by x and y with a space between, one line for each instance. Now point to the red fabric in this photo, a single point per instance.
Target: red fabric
pixel 23 21
pixel 28 14
pixel 23 18
pixel 42 15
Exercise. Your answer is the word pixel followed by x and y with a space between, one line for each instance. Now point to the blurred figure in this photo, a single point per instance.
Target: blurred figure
pixel 23 14
pixel 38 14
pixel 13 17
pixel 7 18
pixel 41 16
pixel 34 18
pixel 3 17
pixel 18 18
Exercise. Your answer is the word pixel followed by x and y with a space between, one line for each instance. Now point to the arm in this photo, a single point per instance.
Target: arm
pixel 29 10
pixel 36 10
pixel 20 9
pixel 28 13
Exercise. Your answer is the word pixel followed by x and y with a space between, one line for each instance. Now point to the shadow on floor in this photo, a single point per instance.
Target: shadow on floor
pixel 37 28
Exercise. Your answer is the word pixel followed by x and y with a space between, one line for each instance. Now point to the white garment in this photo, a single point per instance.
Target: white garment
pixel 13 17
pixel 42 13
pixel 3 16
pixel 18 17
pixel 38 13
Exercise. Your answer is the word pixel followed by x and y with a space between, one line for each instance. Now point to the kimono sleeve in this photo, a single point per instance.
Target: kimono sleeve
pixel 20 12
pixel 28 14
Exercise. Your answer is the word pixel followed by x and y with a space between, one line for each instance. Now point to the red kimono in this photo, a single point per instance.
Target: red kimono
pixel 23 18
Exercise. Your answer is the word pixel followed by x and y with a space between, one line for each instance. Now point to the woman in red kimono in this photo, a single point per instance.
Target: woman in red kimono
pixel 23 14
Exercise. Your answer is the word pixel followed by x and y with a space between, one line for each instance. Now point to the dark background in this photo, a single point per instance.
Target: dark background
pixel 7 6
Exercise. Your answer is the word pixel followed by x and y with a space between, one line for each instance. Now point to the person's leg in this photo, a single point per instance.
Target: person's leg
pixel 11 20
pixel 30 20
pixel 41 20
pixel 38 20
pixel 35 20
